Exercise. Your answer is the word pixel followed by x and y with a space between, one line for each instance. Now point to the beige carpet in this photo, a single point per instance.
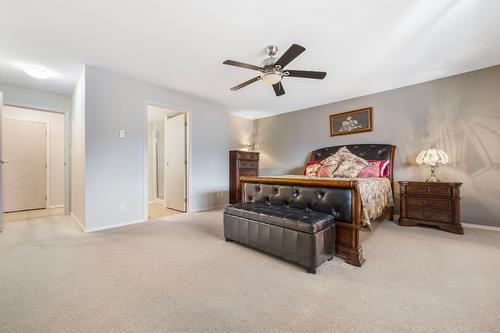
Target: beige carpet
pixel 178 275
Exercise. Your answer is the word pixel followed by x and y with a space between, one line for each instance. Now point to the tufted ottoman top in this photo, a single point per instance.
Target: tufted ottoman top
pixel 307 221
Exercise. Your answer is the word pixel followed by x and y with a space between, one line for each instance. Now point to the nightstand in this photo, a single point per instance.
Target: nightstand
pixel 436 204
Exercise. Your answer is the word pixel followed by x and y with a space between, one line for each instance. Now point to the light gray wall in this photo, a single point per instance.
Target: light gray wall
pixel 78 151
pixel 115 167
pixel 241 132
pixel 460 114
pixel 28 98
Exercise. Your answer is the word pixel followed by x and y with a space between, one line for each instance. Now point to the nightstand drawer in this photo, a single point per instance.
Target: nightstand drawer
pixel 433 190
pixel 416 189
pixel 428 216
pixel 442 191
pixel 430 203
pixel 249 164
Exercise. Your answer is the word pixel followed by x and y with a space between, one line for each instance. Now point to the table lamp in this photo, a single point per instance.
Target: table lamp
pixel 432 157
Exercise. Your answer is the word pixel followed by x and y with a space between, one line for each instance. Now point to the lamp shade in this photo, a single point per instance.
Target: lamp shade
pixel 432 157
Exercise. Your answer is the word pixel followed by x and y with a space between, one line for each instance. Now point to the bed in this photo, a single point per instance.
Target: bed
pixel 350 192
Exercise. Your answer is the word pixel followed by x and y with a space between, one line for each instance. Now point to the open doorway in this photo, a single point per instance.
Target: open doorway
pixel 166 162
pixel 34 171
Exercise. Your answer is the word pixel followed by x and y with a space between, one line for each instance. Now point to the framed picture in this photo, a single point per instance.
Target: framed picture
pixel 351 122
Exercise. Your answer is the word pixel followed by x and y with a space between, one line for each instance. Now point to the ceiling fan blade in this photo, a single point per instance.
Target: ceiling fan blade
pixel 278 89
pixel 246 83
pixel 293 52
pixel 306 74
pixel 241 64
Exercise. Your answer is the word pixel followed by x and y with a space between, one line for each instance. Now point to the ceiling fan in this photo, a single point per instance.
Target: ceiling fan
pixel 272 71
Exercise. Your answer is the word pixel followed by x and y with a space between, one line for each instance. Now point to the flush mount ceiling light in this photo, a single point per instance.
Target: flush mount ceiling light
pixel 36 71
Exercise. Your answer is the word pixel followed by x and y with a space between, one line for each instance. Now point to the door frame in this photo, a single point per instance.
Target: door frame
pixel 145 154
pixel 67 147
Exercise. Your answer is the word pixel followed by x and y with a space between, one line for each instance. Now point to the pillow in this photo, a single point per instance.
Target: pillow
pixel 332 160
pixel 377 168
pixel 351 165
pixel 370 171
pixel 327 171
pixel 312 168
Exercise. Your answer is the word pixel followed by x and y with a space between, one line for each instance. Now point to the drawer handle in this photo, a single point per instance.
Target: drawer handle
pixel 427 203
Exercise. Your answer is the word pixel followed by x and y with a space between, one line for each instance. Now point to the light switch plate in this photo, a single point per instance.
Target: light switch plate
pixel 122 133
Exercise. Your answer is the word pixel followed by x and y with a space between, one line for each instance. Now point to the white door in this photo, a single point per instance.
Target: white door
pixel 175 163
pixel 1 164
pixel 24 148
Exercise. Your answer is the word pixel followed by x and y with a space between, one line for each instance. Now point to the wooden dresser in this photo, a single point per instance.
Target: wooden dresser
pixel 241 163
pixel 436 204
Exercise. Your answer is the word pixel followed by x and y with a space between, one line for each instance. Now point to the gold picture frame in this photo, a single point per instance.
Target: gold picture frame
pixel 351 122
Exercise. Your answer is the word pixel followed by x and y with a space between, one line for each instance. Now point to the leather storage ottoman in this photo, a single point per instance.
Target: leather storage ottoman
pixel 301 236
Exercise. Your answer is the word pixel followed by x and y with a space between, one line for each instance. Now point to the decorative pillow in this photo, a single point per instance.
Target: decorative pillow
pixel 327 171
pixel 350 165
pixel 332 160
pixel 370 171
pixel 383 165
pixel 377 168
pixel 312 168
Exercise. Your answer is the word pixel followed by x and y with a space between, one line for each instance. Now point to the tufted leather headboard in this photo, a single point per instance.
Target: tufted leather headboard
pixel 366 151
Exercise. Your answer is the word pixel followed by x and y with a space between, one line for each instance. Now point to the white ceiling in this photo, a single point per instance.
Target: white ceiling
pixel 365 46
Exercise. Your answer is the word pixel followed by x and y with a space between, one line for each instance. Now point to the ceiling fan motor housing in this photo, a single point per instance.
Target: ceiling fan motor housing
pixel 271 50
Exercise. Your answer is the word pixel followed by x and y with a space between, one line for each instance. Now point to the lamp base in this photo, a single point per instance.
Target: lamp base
pixel 432 178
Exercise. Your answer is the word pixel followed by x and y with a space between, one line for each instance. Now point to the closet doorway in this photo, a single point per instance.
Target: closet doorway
pixel 166 162
pixel 33 159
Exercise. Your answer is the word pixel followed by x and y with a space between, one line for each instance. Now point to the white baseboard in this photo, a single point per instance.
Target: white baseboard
pixel 116 225
pixel 479 226
pixel 78 222
pixel 56 206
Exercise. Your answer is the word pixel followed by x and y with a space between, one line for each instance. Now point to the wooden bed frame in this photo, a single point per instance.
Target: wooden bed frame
pixel 347 244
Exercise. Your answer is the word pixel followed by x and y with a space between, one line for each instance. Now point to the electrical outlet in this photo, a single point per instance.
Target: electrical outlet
pixel 122 133
pixel 123 206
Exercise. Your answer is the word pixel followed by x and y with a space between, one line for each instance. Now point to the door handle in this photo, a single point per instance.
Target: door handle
pixel 4 162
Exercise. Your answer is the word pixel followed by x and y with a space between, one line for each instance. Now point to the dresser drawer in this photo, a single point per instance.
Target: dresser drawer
pixel 248 164
pixel 428 216
pixel 250 173
pixel 429 203
pixel 247 156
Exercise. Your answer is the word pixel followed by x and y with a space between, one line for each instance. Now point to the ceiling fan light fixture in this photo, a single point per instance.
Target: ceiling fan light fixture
pixel 271 78
pixel 272 71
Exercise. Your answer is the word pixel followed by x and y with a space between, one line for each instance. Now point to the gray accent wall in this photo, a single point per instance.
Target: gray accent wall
pixel 459 114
